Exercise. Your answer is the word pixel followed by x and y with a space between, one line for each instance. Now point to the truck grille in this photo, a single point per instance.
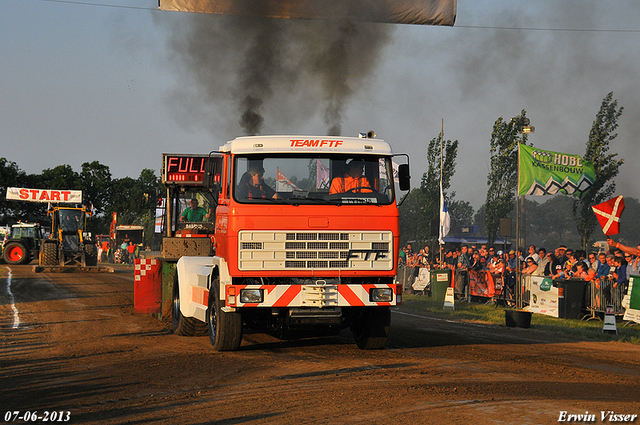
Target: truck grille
pixel 273 250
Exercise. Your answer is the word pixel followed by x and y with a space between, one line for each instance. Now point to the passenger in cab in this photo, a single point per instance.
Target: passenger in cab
pixel 353 180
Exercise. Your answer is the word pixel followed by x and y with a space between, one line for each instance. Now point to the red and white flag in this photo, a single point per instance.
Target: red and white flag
pixel 283 184
pixel 608 215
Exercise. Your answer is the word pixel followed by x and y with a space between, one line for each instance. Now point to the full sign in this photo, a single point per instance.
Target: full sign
pixel 190 169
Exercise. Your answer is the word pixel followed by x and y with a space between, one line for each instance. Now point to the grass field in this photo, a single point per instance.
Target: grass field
pixel 490 313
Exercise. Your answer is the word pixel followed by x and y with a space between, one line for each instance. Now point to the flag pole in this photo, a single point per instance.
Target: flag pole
pixel 519 233
pixel 440 211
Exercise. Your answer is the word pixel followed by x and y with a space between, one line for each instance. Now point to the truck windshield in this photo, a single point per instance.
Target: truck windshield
pixel 339 179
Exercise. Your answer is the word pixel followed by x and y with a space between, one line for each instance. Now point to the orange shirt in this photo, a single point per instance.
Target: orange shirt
pixel 346 183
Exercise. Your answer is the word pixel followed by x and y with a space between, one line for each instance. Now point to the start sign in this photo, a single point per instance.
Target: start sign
pixel 44 195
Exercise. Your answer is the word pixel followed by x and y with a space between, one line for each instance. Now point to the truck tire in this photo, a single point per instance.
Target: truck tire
pixel 90 255
pixel 15 253
pixel 371 328
pixel 49 254
pixel 225 328
pixel 184 326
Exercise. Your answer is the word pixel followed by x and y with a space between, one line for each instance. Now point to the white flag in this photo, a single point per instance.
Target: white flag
pixel 445 219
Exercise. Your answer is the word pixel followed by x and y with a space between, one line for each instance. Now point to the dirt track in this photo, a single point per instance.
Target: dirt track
pixel 79 347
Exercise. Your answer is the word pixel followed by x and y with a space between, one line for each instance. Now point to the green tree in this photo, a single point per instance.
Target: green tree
pixel 10 176
pixel 461 213
pixel 503 177
pixel 95 181
pixel 60 177
pixel 551 223
pixel 127 199
pixel 606 166
pixel 412 217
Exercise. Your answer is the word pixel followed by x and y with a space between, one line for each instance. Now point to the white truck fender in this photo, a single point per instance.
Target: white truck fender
pixel 194 275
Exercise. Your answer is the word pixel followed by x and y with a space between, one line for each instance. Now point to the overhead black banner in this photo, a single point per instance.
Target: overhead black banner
pixel 416 12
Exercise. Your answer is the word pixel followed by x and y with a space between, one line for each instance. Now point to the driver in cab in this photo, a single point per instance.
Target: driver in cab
pixel 253 186
pixel 353 180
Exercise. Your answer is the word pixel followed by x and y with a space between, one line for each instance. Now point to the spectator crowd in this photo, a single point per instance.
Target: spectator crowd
pixel 611 268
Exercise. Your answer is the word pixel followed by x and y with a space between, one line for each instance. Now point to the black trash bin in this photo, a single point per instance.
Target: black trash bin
pixel 440 281
pixel 570 298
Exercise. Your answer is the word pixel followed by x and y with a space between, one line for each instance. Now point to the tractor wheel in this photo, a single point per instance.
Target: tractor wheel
pixel 15 253
pixel 49 254
pixel 184 326
pixel 371 328
pixel 225 328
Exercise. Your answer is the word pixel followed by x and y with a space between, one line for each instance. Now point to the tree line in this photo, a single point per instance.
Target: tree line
pixel 100 190
pixel 560 220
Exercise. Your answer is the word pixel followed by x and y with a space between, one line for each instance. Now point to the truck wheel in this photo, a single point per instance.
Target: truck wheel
pixel 371 328
pixel 15 253
pixel 184 326
pixel 49 254
pixel 225 328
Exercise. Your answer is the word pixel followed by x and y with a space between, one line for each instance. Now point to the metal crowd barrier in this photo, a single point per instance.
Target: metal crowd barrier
pixel 517 292
pixel 405 277
pixel 603 294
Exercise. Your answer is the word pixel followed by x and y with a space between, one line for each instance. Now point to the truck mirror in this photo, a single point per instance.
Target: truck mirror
pixel 404 179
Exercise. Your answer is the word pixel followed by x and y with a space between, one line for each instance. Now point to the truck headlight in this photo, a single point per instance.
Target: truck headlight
pixel 251 296
pixel 381 295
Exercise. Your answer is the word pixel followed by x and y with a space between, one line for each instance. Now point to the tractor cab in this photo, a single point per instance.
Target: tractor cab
pixel 22 243
pixel 69 244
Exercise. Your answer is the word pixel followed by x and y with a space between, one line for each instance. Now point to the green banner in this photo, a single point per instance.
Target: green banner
pixel 631 301
pixel 547 173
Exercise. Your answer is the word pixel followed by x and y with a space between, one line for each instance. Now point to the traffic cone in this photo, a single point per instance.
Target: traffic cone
pixel 609 326
pixel 449 300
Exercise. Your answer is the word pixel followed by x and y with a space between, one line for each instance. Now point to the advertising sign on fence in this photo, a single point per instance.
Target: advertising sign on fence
pixel 481 284
pixel 544 296
pixel 631 301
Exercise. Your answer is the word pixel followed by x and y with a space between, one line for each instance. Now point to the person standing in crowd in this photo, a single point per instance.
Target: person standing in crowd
pixel 562 254
pixel 131 250
pixel 496 265
pixel 573 260
pixel 593 262
pixel 462 273
pixel 559 273
pixel 581 255
pixel 427 254
pixel 124 253
pixel 530 266
pixel 620 275
pixel 402 256
pixel 409 250
pixel 542 262
pixel 633 265
pixel 603 268
pixel 533 254
pixel 476 262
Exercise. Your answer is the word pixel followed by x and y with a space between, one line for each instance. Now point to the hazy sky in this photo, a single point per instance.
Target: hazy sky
pixel 120 82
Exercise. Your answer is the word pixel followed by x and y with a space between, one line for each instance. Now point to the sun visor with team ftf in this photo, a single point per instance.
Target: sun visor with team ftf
pixel 415 12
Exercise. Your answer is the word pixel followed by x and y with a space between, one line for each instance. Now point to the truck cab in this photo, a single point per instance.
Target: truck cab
pixel 306 235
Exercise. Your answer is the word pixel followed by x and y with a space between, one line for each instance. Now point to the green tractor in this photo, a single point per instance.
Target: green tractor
pixel 69 244
pixel 22 243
